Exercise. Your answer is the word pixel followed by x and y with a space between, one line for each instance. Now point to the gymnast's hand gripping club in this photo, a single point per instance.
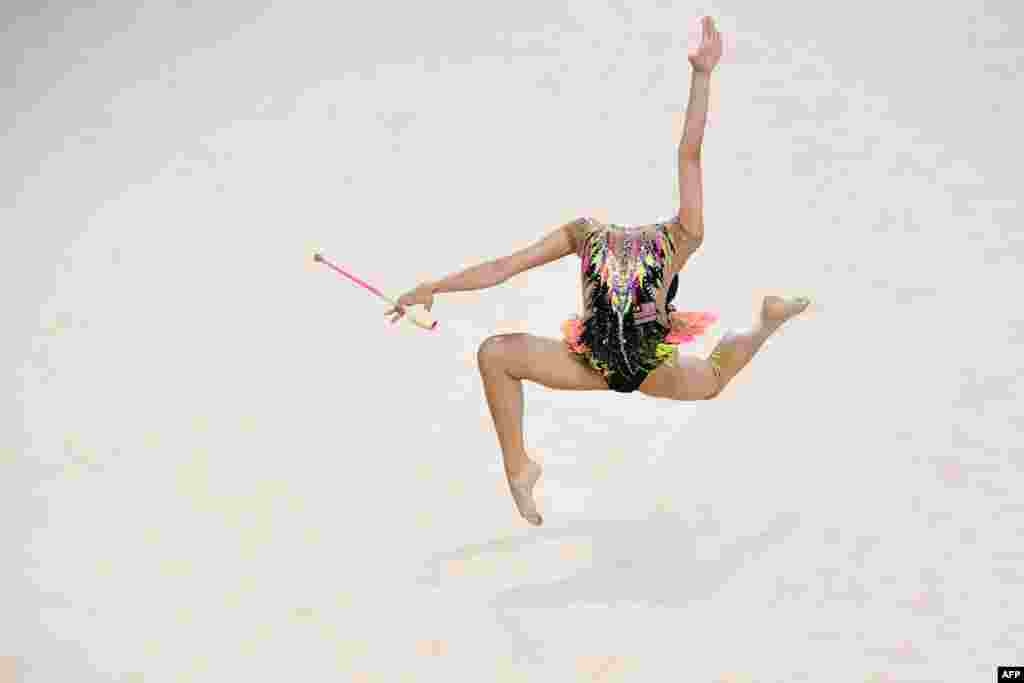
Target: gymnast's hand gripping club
pixel 419 318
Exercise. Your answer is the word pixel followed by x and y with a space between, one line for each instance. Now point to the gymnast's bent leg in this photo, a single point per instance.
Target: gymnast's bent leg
pixel 506 360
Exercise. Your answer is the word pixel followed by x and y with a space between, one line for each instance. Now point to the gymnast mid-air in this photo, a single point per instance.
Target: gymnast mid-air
pixel 628 335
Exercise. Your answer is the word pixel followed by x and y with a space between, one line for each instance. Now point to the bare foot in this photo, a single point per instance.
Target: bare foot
pixel 777 310
pixel 521 487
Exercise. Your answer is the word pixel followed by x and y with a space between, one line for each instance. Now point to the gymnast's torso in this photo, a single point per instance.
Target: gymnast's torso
pixel 630 267
pixel 626 272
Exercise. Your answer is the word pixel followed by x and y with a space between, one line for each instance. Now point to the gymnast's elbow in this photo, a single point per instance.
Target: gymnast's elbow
pixel 507 267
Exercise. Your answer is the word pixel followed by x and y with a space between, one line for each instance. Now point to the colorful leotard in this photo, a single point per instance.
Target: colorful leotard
pixel 628 328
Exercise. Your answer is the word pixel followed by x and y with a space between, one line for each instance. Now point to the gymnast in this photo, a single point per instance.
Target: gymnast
pixel 628 335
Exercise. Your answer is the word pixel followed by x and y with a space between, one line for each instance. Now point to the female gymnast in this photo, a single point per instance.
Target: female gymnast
pixel 627 338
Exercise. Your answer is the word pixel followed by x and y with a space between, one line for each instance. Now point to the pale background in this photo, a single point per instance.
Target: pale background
pixel 218 463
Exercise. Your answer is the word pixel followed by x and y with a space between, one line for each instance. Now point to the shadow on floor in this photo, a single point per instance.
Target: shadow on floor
pixel 661 562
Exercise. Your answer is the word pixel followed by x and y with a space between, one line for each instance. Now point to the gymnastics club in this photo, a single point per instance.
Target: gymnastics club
pixel 420 318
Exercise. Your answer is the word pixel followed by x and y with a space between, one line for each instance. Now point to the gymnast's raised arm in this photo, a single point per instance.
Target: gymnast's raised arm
pixel 703 59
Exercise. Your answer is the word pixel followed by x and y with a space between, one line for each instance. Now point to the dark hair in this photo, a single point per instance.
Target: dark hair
pixel 672 288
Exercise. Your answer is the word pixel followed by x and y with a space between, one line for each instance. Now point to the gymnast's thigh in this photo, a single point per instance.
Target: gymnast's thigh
pixel 689 378
pixel 540 359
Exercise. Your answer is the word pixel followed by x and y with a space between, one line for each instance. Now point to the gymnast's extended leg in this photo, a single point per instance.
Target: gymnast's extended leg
pixel 698 379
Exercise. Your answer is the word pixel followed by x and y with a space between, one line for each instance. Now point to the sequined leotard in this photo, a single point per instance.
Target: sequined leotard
pixel 628 328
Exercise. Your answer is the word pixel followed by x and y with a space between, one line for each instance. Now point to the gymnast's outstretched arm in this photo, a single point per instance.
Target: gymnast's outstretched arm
pixel 555 245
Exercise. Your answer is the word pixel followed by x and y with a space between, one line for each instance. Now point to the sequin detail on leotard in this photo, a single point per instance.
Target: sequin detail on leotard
pixel 622 334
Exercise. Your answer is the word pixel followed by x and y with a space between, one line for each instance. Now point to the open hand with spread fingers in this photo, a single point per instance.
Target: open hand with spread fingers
pixel 704 56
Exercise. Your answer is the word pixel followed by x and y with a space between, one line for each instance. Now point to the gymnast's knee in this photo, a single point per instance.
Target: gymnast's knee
pixel 495 349
pixel 719 380
pixel 716 388
pixel 714 393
